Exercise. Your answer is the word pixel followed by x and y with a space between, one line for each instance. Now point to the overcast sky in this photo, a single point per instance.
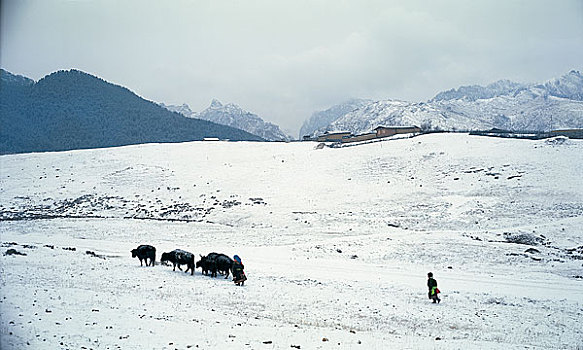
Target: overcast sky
pixel 285 59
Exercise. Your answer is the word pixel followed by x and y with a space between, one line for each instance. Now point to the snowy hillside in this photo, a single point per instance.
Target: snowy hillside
pixel 477 92
pixel 234 116
pixel 321 119
pixel 336 244
pixel 392 112
pixel 530 109
pixel 569 86
pixel 556 104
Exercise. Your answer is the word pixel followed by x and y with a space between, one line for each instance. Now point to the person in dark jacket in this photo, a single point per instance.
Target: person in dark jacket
pixel 238 273
pixel 433 291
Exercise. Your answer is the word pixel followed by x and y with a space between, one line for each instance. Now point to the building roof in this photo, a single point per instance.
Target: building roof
pixel 336 132
pixel 396 127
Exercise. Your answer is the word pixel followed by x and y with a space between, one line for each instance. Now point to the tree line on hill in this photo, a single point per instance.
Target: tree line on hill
pixel 71 109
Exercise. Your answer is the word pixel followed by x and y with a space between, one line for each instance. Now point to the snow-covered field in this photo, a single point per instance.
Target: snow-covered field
pixel 336 244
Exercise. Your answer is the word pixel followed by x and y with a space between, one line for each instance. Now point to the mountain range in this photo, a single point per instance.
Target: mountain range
pixel 234 116
pixel 555 104
pixel 71 109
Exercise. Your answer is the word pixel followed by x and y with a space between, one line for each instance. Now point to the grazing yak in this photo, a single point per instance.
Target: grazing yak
pixel 221 262
pixel 179 257
pixel 145 252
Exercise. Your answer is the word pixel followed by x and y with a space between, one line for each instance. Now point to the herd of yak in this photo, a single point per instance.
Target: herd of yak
pixel 211 264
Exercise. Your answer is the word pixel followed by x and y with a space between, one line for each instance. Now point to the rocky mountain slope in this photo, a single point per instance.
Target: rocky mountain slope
pixel 236 117
pixel 184 109
pixel 555 104
pixel 321 119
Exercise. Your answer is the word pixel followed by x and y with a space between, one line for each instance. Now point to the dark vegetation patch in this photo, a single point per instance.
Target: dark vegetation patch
pixel 13 251
pixel 103 207
pixel 74 110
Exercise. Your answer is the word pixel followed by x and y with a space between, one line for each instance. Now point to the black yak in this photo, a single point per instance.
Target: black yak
pixel 179 257
pixel 145 252
pixel 207 266
pixel 223 263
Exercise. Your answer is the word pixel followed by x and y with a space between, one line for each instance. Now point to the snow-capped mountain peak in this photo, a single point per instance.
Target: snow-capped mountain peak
pixel 504 104
pixel 568 86
pixel 477 92
pixel 216 103
pixel 232 115
pixel 184 109
pixel 322 118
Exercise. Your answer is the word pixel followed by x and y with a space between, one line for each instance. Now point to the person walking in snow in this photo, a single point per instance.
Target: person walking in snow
pixel 238 273
pixel 433 291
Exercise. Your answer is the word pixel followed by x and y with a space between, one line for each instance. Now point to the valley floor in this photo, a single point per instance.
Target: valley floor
pixel 336 243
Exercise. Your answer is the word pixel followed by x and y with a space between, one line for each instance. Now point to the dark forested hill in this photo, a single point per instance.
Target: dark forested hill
pixel 73 110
